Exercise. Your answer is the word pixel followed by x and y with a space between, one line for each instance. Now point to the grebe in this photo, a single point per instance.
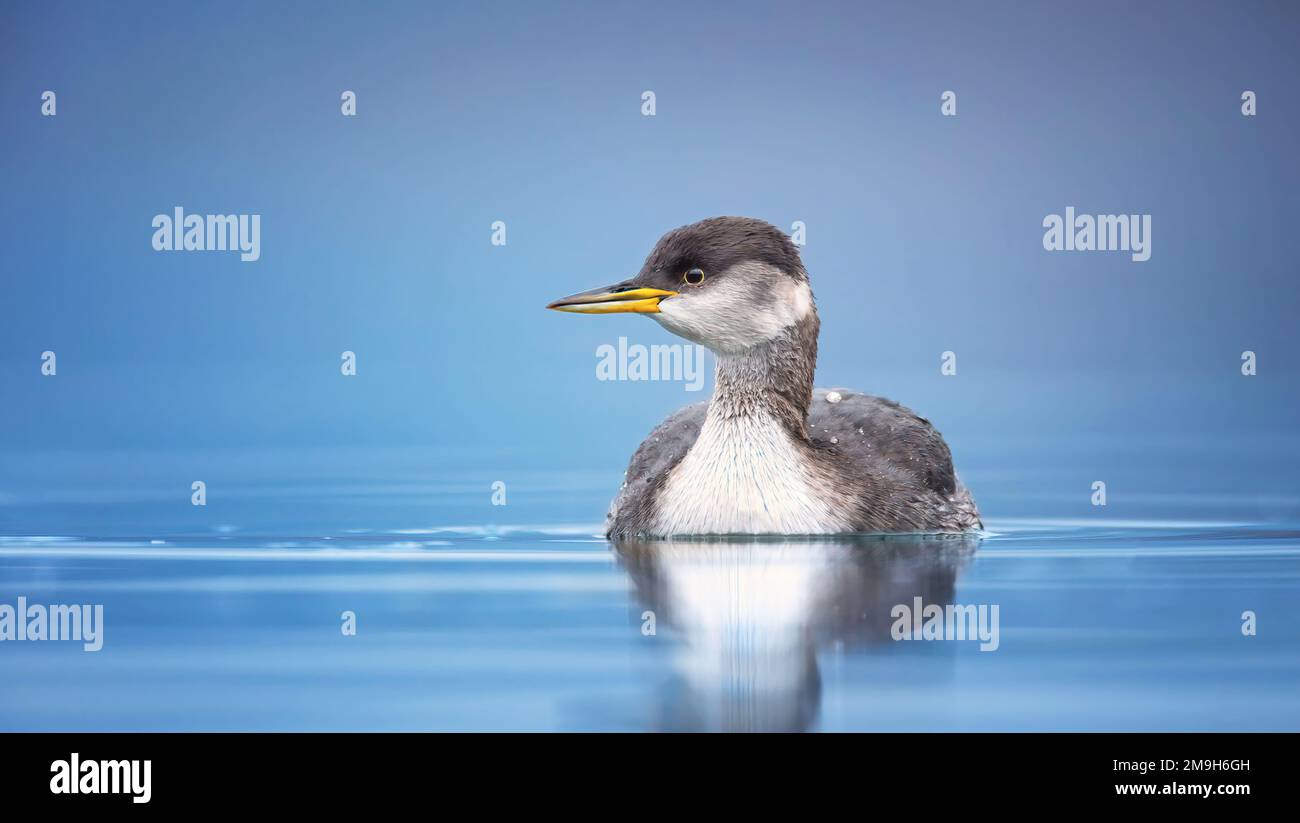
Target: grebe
pixel 767 454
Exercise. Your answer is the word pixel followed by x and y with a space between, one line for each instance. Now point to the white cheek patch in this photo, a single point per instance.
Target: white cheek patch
pixel 729 316
pixel 800 300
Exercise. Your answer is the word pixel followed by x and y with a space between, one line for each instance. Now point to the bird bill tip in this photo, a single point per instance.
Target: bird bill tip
pixel 610 301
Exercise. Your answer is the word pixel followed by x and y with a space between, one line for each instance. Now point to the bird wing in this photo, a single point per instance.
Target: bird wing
pixel 668 443
pixel 660 451
pixel 874 430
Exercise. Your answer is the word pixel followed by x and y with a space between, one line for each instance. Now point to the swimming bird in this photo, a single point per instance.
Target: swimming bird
pixel 767 453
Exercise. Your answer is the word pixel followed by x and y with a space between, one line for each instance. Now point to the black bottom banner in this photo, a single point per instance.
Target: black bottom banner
pixel 209 772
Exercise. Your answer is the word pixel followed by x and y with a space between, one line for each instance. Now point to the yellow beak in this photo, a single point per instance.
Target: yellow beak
pixel 613 299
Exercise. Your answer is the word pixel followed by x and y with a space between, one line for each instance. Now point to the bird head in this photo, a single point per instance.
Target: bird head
pixel 727 283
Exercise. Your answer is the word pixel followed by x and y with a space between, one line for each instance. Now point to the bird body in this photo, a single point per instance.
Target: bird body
pixel 767 454
pixel 868 465
pixel 742 475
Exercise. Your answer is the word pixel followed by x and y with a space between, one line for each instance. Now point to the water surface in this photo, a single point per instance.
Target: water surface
pixel 1105 621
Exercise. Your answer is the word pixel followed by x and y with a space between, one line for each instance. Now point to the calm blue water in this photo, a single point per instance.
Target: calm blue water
pixel 1126 616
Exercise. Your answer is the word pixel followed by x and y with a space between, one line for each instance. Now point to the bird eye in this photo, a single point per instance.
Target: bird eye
pixel 695 277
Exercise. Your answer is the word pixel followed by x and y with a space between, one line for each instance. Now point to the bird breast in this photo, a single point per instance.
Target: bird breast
pixel 744 475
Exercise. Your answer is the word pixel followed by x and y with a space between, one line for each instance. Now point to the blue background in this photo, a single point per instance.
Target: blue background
pixel 924 234
pixel 373 493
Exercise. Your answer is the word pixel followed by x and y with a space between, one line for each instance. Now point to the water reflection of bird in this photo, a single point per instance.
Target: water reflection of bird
pixel 767 454
pixel 752 614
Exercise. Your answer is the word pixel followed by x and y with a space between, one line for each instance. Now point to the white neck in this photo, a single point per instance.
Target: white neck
pixel 745 474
